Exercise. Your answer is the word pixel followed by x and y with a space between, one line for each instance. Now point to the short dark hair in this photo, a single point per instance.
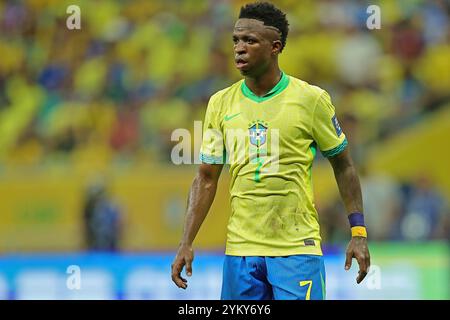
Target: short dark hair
pixel 269 15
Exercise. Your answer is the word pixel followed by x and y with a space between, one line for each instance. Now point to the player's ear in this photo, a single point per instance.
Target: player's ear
pixel 276 47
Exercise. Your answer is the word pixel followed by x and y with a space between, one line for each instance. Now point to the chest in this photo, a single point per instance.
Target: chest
pixel 290 121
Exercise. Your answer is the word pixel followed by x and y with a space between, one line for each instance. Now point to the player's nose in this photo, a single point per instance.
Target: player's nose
pixel 240 48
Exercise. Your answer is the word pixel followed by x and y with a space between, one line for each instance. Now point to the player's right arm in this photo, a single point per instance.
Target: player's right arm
pixel 203 189
pixel 201 196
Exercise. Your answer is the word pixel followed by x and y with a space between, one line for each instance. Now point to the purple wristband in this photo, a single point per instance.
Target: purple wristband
pixel 356 219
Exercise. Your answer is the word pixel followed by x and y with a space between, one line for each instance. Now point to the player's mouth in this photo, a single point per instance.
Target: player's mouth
pixel 241 63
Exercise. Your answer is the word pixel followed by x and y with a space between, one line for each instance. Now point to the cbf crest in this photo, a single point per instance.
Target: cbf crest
pixel 258 132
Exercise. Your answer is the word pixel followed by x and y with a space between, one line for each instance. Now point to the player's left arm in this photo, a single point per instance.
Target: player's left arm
pixel 350 190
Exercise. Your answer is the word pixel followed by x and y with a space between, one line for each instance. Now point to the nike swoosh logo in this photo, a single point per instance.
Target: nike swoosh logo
pixel 232 116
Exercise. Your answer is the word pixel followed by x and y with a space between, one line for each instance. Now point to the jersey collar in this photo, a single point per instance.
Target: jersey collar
pixel 279 87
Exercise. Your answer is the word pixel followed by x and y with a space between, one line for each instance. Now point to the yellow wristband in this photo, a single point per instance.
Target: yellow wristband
pixel 359 232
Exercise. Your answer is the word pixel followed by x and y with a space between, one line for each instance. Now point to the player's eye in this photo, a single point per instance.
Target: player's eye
pixel 250 41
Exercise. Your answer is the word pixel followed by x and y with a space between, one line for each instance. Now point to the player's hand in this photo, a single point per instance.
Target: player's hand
pixel 185 256
pixel 358 249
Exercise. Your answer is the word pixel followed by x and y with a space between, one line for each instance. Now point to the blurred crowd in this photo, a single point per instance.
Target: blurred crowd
pixel 412 210
pixel 116 89
pixel 139 69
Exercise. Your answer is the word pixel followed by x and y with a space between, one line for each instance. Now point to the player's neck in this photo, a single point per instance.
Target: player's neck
pixel 262 84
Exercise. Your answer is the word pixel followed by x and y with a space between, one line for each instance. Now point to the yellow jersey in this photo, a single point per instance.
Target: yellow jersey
pixel 270 143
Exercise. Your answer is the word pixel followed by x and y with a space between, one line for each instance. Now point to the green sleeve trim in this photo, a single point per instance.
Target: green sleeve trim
pixel 335 151
pixel 211 159
pixel 313 148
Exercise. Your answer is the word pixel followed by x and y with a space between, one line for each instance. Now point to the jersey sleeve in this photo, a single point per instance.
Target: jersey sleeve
pixel 326 130
pixel 212 150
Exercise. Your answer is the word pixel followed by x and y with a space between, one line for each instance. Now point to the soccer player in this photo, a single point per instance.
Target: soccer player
pixel 273 248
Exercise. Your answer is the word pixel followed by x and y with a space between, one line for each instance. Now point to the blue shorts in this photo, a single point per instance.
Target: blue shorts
pixel 298 277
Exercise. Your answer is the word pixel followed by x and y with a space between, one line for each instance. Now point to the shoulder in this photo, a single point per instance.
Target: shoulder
pixel 306 94
pixel 305 89
pixel 225 94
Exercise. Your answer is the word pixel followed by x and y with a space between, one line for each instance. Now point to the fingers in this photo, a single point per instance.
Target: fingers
pixel 176 275
pixel 188 267
pixel 348 259
pixel 363 268
pixel 363 262
pixel 361 276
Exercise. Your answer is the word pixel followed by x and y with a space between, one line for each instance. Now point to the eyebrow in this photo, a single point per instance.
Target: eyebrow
pixel 245 37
